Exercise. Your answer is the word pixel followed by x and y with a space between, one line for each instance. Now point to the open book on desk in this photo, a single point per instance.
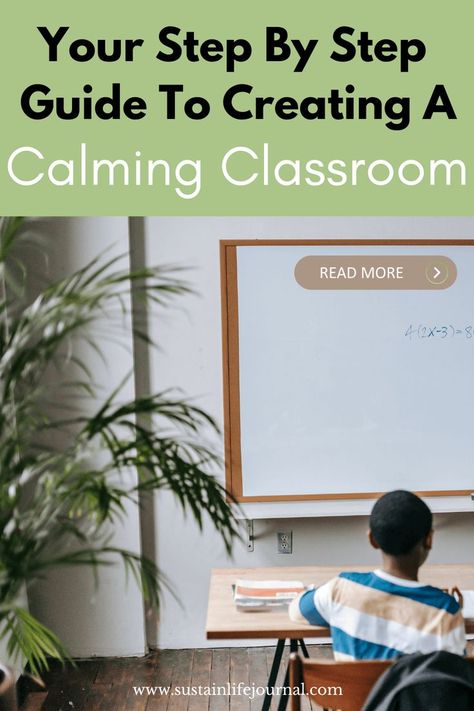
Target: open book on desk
pixel 468 604
pixel 254 595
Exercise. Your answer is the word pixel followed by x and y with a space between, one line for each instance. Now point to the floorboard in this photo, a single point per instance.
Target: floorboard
pixel 258 675
pixel 220 678
pixel 200 680
pixel 239 674
pixel 181 679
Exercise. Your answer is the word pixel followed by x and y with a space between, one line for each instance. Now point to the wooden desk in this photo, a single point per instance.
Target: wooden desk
pixel 225 622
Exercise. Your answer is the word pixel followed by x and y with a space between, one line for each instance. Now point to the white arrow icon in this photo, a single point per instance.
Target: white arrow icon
pixel 439 272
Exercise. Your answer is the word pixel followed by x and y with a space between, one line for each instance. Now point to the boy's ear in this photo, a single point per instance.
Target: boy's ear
pixel 428 542
pixel 372 540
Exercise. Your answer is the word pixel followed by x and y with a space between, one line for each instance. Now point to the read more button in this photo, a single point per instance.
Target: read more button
pixel 418 272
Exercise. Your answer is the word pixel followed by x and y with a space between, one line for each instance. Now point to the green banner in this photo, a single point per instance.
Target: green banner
pixel 224 108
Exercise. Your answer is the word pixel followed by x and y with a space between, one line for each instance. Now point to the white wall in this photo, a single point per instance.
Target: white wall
pixel 108 619
pixel 191 359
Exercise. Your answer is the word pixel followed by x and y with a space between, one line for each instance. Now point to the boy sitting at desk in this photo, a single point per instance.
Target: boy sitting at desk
pixel 387 613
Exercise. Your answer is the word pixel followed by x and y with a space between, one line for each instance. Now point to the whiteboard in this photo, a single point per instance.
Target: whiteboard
pixel 346 393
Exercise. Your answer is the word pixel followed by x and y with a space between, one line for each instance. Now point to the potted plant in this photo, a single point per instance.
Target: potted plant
pixel 57 504
pixel 7 689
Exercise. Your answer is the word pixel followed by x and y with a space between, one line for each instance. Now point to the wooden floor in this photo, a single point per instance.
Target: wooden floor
pixel 108 684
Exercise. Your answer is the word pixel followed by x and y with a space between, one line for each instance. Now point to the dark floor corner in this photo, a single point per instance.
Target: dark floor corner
pixel 116 684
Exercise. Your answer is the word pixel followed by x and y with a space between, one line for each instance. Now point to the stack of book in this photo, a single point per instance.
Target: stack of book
pixel 253 595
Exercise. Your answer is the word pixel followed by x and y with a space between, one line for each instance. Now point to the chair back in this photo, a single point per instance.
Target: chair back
pixel 341 686
pixel 336 686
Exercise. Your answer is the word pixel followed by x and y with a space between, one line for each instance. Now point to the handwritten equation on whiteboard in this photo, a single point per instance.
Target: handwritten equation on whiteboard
pixel 439 332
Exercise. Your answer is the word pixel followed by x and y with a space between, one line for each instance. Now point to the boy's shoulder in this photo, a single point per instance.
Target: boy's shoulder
pixel 366 578
pixel 384 583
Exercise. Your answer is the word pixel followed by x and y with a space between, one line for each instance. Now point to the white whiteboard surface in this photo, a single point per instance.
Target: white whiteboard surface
pixel 336 399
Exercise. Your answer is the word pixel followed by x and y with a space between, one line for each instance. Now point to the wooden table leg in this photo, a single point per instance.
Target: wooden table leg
pixel 303 648
pixel 273 674
pixel 283 703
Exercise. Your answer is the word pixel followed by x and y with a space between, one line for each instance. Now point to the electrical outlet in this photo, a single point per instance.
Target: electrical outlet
pixel 285 541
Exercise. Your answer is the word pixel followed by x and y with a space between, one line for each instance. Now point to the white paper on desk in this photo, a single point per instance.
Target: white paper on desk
pixel 468 603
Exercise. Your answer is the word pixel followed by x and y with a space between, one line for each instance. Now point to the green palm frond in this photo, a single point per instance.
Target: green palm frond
pixel 30 639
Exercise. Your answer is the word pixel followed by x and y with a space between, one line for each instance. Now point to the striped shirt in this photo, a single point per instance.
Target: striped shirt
pixel 378 616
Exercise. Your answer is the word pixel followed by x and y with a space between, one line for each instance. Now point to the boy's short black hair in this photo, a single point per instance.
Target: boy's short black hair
pixel 400 520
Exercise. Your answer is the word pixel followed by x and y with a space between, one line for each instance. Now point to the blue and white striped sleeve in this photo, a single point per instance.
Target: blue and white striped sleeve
pixel 306 610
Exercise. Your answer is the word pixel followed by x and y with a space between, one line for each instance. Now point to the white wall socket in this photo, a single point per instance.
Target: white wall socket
pixel 285 541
